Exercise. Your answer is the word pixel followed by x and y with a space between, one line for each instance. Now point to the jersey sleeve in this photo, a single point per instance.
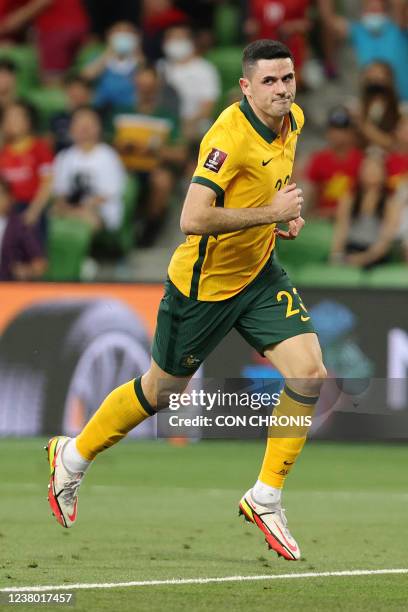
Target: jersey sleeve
pixel 219 160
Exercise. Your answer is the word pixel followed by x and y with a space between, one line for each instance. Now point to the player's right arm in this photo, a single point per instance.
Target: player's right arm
pixel 200 217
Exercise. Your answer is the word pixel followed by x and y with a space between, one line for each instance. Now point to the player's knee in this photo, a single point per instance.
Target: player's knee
pixel 158 387
pixel 309 378
pixel 311 371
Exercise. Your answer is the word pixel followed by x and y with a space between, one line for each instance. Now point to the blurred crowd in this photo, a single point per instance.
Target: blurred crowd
pixel 101 140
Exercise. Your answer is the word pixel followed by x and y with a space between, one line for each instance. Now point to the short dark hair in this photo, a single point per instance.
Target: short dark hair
pixel 148 67
pixel 265 48
pixel 88 108
pixel 76 79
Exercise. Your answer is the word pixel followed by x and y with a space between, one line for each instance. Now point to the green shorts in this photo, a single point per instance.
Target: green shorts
pixel 267 311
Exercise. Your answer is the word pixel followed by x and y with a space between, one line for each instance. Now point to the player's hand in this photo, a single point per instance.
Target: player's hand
pixel 294 228
pixel 287 204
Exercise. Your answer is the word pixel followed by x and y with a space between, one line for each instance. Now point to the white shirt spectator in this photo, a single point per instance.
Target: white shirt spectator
pixel 98 172
pixel 195 81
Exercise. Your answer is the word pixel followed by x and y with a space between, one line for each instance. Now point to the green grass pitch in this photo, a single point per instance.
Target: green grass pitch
pixel 149 510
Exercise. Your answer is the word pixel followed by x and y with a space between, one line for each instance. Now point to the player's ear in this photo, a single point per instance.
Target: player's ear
pixel 245 85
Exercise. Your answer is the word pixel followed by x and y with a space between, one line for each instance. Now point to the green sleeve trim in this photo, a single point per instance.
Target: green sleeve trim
pixel 208 183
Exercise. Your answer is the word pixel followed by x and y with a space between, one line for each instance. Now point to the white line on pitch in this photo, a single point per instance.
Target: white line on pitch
pixel 176 581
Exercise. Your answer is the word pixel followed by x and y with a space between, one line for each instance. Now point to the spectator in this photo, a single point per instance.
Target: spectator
pixel 8 83
pixel 366 223
pixel 60 27
pixel 21 254
pixel 25 163
pixel 78 92
pixel 379 113
pixel 201 17
pixel 397 161
pixel 157 17
pixel 156 158
pixel 332 172
pixel 377 36
pixel 284 20
pixel 195 80
pixel 89 179
pixel 114 70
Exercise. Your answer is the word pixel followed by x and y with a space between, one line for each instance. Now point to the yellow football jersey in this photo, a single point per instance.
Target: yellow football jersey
pixel 245 163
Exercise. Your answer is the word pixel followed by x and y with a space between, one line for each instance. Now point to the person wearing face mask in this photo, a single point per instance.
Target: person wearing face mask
pixel 157 17
pixel 115 69
pixel 379 111
pixel 378 35
pixel 194 78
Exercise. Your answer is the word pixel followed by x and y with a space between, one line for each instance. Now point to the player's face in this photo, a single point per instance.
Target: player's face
pixel 271 86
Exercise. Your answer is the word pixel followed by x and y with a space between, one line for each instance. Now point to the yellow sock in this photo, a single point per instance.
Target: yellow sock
pixel 282 452
pixel 120 412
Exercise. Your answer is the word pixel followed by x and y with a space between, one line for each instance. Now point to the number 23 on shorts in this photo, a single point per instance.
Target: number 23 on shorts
pixel 290 310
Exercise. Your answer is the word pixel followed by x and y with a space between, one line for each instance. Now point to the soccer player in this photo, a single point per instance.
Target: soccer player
pixel 225 275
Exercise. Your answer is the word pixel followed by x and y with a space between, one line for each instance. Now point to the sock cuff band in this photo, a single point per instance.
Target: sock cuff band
pixel 301 399
pixel 142 398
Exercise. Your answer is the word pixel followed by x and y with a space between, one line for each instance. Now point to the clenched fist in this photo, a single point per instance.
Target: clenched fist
pixel 287 204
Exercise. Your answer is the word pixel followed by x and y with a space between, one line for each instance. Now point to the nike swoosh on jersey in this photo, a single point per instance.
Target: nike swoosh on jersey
pixel 265 163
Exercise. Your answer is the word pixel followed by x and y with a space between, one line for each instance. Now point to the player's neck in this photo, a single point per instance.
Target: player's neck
pixel 273 123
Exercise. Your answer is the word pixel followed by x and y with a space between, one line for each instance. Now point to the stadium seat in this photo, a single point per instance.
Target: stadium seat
pixel 121 241
pixel 226 24
pixel 312 246
pixel 68 245
pixel 47 101
pixel 227 60
pixel 26 61
pixel 389 276
pixel 320 275
pixel 87 54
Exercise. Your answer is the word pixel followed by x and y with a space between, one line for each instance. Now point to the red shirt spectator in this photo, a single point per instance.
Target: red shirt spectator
pixel 60 27
pixel 24 166
pixel 333 171
pixel 25 163
pixel 397 169
pixel 284 20
pixel 333 175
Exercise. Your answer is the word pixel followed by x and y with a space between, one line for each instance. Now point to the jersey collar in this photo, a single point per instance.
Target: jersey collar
pixel 262 129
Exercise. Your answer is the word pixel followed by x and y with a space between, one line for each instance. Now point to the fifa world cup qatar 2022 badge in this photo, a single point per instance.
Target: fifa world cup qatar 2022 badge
pixel 215 160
